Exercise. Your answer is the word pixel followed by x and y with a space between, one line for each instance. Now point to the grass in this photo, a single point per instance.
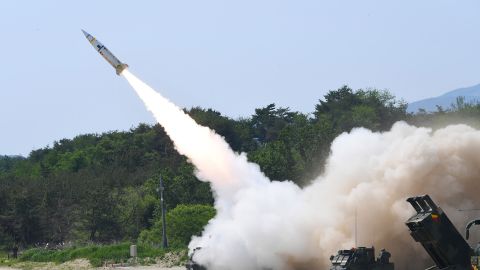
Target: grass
pixel 4 260
pixel 96 254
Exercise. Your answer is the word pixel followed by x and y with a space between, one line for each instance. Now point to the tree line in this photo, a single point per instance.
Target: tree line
pixel 102 188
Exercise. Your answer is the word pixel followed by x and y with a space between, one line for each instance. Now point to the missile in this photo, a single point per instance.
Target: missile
pixel 102 50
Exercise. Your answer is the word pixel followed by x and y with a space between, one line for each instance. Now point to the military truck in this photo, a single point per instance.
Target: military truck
pixel 431 227
pixel 361 258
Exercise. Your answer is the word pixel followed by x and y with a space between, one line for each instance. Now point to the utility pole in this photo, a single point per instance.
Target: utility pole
pixel 356 223
pixel 160 190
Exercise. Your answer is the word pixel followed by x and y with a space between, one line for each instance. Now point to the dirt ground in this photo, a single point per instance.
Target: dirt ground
pixel 151 268
pixel 133 268
pixel 83 264
pixel 170 261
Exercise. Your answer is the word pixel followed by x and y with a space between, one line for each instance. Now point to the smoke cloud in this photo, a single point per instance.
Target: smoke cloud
pixel 262 224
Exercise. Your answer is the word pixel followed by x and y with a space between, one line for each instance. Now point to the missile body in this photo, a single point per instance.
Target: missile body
pixel 100 48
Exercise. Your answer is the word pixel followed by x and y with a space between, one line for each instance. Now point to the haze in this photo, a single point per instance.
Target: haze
pixel 231 56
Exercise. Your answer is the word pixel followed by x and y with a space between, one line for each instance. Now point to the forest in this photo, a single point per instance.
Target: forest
pixel 102 188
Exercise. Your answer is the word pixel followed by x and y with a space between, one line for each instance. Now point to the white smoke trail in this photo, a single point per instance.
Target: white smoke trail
pixel 213 158
pixel 277 225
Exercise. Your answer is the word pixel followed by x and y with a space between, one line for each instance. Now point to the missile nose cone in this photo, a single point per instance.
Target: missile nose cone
pixel 85 33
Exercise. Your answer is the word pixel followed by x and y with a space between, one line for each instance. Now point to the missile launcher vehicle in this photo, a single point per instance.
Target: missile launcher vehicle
pixel 361 258
pixel 431 227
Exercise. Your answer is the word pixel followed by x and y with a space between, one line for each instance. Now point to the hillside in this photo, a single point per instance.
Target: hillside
pixel 102 188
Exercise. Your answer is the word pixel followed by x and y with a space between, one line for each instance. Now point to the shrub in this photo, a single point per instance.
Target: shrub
pixel 183 222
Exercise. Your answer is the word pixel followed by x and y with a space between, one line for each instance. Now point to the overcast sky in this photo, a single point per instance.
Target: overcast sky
pixel 232 56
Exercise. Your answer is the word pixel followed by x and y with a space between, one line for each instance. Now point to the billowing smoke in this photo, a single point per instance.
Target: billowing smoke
pixel 277 225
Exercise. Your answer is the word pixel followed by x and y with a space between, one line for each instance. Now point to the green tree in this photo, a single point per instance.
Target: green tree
pixel 183 222
pixel 273 159
pixel 373 109
pixel 136 207
pixel 267 122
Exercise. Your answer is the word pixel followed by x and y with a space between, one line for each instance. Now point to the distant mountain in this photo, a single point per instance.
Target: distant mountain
pixel 471 95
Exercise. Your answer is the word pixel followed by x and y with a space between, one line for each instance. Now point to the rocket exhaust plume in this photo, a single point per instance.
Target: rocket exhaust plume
pixel 277 225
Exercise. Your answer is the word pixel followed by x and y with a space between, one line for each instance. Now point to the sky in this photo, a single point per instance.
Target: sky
pixel 231 56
